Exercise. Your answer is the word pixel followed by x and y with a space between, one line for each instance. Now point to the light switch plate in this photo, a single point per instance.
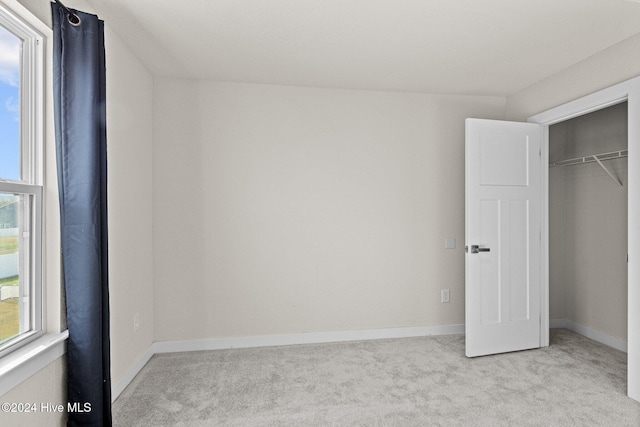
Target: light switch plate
pixel 449 243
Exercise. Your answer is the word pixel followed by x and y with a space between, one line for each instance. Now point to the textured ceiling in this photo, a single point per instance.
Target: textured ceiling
pixel 488 47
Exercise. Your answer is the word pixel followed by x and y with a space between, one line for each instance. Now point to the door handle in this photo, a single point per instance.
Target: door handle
pixel 476 249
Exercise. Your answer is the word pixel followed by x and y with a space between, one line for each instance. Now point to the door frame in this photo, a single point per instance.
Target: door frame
pixel 626 91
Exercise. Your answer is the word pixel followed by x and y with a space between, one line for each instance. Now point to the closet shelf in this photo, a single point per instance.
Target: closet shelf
pixel 591 158
pixel 599 158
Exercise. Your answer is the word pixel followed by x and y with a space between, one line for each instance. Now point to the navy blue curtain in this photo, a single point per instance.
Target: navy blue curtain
pixel 79 108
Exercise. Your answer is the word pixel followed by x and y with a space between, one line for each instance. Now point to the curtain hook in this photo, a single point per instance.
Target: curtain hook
pixel 71 17
pixel 74 19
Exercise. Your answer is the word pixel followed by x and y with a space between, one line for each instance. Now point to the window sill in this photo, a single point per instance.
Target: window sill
pixel 23 363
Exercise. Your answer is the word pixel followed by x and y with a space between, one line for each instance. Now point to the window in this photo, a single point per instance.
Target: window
pixel 21 179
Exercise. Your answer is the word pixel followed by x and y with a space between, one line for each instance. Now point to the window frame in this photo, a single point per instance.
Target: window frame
pixel 31 181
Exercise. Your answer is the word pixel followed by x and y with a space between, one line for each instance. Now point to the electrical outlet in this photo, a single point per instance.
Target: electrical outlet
pixel 444 295
pixel 136 322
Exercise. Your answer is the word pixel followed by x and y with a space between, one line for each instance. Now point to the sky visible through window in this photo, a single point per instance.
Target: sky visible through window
pixel 9 105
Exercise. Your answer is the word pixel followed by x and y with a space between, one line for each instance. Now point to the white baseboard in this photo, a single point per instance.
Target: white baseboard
pixel 118 388
pixel 590 333
pixel 304 338
pixel 279 340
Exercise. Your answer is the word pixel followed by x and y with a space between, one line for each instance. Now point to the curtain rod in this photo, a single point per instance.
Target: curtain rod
pixel 71 17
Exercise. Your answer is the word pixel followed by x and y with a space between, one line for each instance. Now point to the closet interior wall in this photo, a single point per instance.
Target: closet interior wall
pixel 588 223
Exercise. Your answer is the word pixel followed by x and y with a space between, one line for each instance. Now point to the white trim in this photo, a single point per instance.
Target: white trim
pixel 304 338
pixel 590 333
pixel 279 340
pixel 117 389
pixel 596 101
pixel 629 91
pixel 19 364
pixel 29 359
pixel 544 239
pixel 29 183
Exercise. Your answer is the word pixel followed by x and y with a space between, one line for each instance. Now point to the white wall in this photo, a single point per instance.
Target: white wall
pixel 47 386
pixel 129 141
pixel 588 221
pixel 286 209
pixel 129 135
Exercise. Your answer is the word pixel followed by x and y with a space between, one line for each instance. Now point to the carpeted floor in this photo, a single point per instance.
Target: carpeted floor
pixel 398 382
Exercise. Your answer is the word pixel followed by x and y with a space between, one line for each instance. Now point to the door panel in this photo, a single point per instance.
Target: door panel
pixel 514 171
pixel 489 279
pixel 503 217
pixel 518 257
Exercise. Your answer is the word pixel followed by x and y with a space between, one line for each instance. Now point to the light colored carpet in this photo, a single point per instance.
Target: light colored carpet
pixel 397 382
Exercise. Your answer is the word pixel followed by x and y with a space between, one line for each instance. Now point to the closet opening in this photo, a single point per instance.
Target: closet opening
pixel 588 227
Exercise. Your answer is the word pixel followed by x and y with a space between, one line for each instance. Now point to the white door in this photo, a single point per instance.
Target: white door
pixel 503 213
